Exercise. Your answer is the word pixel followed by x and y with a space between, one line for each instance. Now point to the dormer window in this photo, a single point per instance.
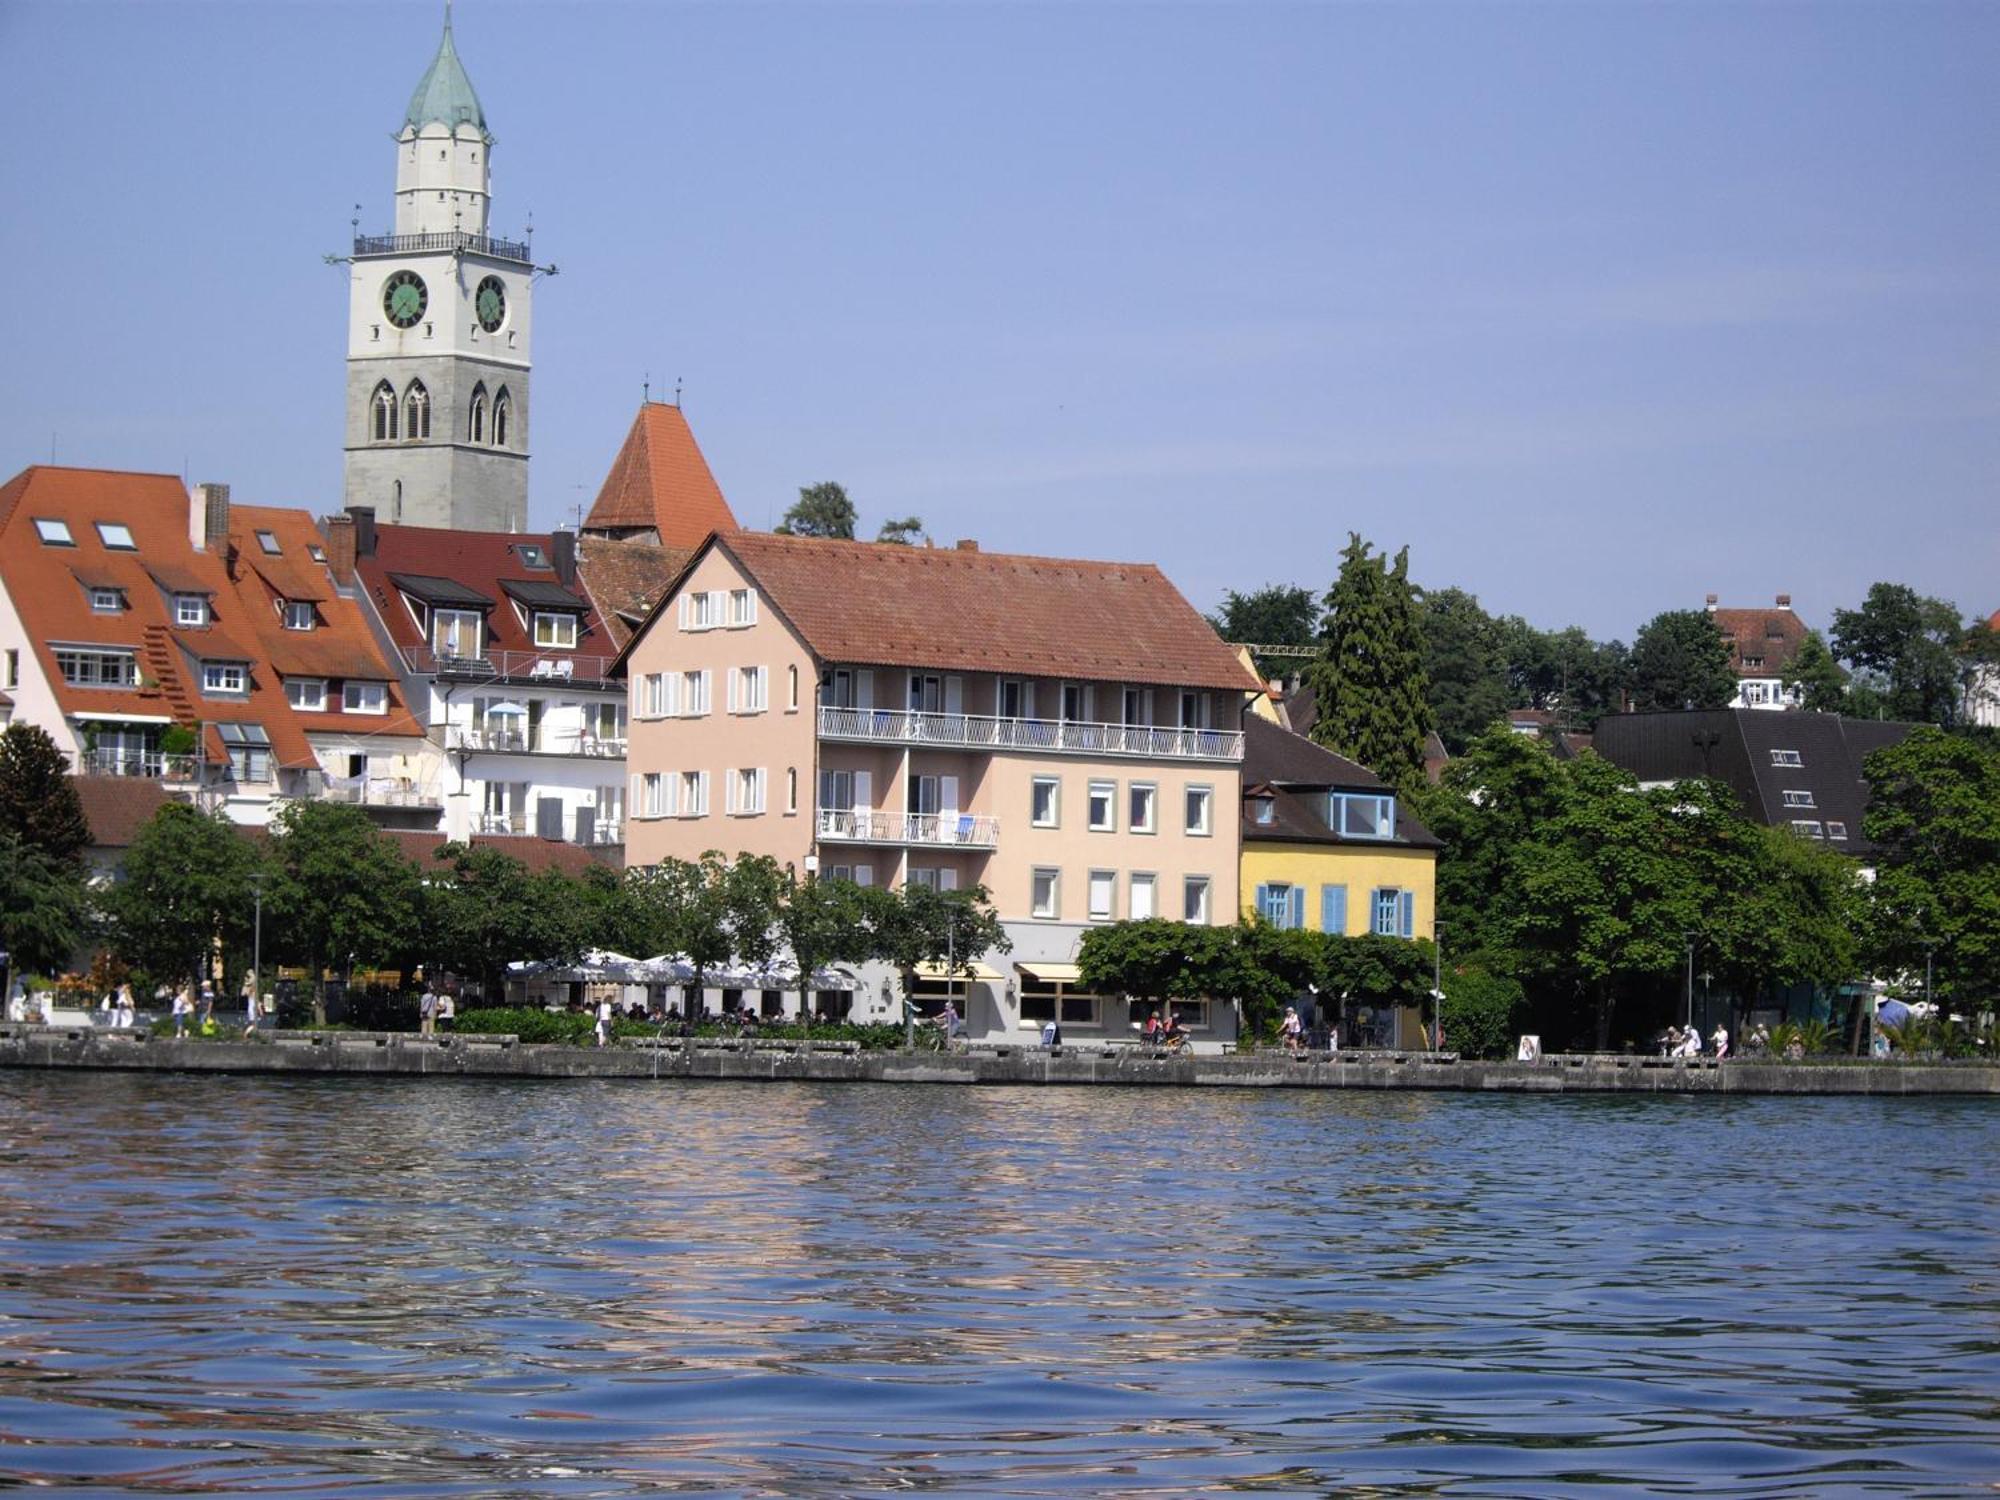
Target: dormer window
pixel 455 632
pixel 268 540
pixel 364 697
pixel 116 536
pixel 225 679
pixel 556 629
pixel 107 601
pixel 299 614
pixel 1263 809
pixel 191 610
pixel 53 533
pixel 1359 815
pixel 1787 758
pixel 532 555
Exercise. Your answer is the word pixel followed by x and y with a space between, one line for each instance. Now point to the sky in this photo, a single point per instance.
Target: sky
pixel 1599 308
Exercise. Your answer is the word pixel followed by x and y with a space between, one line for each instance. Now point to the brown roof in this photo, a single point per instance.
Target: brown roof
pixel 1768 637
pixel 625 579
pixel 660 483
pixel 537 854
pixel 876 604
pixel 117 807
pixel 1276 755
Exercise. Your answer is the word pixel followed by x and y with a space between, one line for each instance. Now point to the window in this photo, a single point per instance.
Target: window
pixel 477 423
pixel 742 607
pixel 1753 663
pixel 532 556
pixel 1016 699
pixel 300 615
pixel 694 694
pixel 925 876
pixel 556 628
pixel 1045 893
pixel 1194 710
pixel 316 552
pixel 107 601
pixel 1393 912
pixel 1200 809
pixel 746 792
pixel 54 533
pixel 191 610
pixel 750 689
pixel 701 611
pixel 837 790
pixel 1836 830
pixel 364 697
pixel 1333 908
pixel 1138 705
pixel 225 678
pixel 385 413
pixel 653 697
pixel 653 795
pixel 791 790
pixel 455 632
pixel 87 668
pixel 1194 900
pixel 1075 702
pixel 503 409
pixel 1282 905
pixel 1798 799
pixel 926 693
pixel 268 541
pixel 694 794
pixel 1103 894
pixel 13 667
pixel 249 750
pixel 1787 758
pixel 1045 801
pixel 307 694
pixel 1140 903
pixel 1806 826
pixel 791 690
pixel 1142 805
pixel 1103 806
pixel 116 536
pixel 1361 816
pixel 1263 809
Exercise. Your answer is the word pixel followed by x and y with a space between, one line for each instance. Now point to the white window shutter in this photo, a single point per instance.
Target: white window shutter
pixel 670 793
pixel 701 788
pixel 1027 700
pixel 864 689
pixel 733 688
pixel 948 796
pixel 686 603
pixel 954 695
pixel 762 789
pixel 729 796
pixel 638 799
pixel 670 694
pixel 864 796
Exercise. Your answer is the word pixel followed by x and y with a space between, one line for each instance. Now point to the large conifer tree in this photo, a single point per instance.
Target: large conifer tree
pixel 1372 691
pixel 38 805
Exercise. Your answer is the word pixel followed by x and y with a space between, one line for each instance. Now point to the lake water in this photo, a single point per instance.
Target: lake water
pixel 348 1286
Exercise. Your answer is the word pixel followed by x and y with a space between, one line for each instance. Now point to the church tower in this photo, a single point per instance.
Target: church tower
pixel 438 329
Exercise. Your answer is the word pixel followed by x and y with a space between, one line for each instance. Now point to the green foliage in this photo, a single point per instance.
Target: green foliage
pixel 184 893
pixel 44 907
pixel 1934 815
pixel 915 925
pixel 1279 614
pixel 1816 677
pixel 1157 959
pixel 179 739
pixel 340 893
pixel 1905 646
pixel 822 510
pixel 1680 660
pixel 530 1023
pixel 1369 677
pixel 1563 671
pixel 905 532
pixel 1483 1003
pixel 822 921
pixel 1466 663
pixel 707 911
pixel 482 909
pixel 38 803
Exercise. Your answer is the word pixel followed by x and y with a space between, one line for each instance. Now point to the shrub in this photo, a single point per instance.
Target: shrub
pixel 1481 1009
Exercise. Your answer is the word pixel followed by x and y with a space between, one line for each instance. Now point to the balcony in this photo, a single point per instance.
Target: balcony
pixel 148 763
pixel 417 244
pixel 377 791
pixel 540 742
pixel 864 825
pixel 1042 736
pixel 567 667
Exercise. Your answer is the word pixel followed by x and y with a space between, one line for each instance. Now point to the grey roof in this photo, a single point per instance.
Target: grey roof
pixel 432 590
pixel 1277 755
pixel 540 592
pixel 444 94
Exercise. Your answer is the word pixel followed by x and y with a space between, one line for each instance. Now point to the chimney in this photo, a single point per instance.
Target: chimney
pixel 364 529
pixel 562 554
pixel 1784 601
pixel 967 544
pixel 1713 600
pixel 340 548
pixel 208 516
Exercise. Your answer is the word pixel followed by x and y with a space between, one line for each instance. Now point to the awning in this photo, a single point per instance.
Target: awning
pixel 1052 973
pixel 289 582
pixel 439 590
pixel 537 592
pixel 178 580
pixel 962 972
pixel 98 577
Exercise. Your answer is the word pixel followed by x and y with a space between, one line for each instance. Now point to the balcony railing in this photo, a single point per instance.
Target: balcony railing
pixel 974 732
pixel 864 825
pixel 510 666
pixel 376 792
pixel 448 239
pixel 149 763
pixel 539 742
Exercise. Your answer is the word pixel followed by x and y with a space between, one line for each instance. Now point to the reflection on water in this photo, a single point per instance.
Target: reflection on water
pixel 343 1286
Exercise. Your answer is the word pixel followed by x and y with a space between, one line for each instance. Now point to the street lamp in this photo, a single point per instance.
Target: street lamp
pixel 257 947
pixel 1930 947
pixel 1689 939
pixel 1437 984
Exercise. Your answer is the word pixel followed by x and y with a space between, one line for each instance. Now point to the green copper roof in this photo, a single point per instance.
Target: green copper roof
pixel 444 94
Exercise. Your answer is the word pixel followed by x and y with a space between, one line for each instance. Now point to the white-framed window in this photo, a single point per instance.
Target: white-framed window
pixel 191 610
pixel 107 601
pixel 749 689
pixel 316 552
pixel 1282 904
pixel 1141 901
pixel 300 614
pixel 701 611
pixel 1806 826
pixel 1194 900
pixel 225 679
pixel 1836 830
pixel 791 690
pixel 455 632
pixel 54 533
pixel 791 791
pixel 1075 700
pixel 1104 807
pixel 1361 815
pixel 746 792
pixel 555 628
pixel 268 541
pixel 1798 799
pixel 1016 698
pixel 653 794
pixel 1787 758
pixel 1103 895
pixel 694 794
pixel 84 667
pixel 249 747
pixel 1392 912
pixel 307 694
pixel 1045 893
pixel 1142 807
pixel 1199 813
pixel 1045 802
pixel 694 694
pixel 117 536
pixel 742 607
pixel 358 697
pixel 655 695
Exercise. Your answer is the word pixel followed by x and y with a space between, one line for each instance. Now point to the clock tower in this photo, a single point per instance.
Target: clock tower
pixel 438 328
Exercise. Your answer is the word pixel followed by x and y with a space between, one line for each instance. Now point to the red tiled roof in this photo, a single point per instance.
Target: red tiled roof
pixel 876 604
pixel 537 854
pixel 626 578
pixel 1770 636
pixel 661 481
pixel 117 807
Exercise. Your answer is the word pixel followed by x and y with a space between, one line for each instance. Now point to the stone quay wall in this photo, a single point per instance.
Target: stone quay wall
pixel 404 1055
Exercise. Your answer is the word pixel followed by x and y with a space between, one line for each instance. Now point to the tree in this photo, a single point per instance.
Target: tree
pixel 483 909
pixel 906 532
pixel 1369 676
pixel 340 892
pixel 822 921
pixel 38 804
pixel 44 908
pixel 822 510
pixel 1465 661
pixel 184 896
pixel 708 911
pixel 1906 646
pixel 1934 817
pixel 915 925
pixel 1816 677
pixel 1680 660
pixel 1564 671
pixel 1276 615
pixel 1157 959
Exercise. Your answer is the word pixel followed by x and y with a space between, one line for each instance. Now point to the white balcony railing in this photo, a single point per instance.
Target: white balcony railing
pixel 976 732
pixel 540 742
pixel 864 825
pixel 149 763
pixel 375 791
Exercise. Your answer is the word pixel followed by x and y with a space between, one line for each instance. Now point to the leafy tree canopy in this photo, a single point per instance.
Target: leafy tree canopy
pixel 822 510
pixel 38 803
pixel 1465 652
pixel 1563 671
pixel 340 892
pixel 904 532
pixel 1680 660
pixel 1369 676
pixel 183 893
pixel 1816 677
pixel 44 908
pixel 1278 614
pixel 1906 647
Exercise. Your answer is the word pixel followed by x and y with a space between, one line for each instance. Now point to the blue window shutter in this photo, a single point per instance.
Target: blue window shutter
pixel 1409 913
pixel 1333 908
pixel 1298 907
pixel 1264 901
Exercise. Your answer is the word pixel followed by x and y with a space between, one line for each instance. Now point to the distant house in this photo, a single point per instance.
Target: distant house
pixel 1982 694
pixel 1762 645
pixel 1798 770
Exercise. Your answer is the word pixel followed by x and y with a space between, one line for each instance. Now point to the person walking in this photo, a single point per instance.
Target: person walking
pixel 183 1008
pixel 250 1010
pixel 1292 1028
pixel 447 1008
pixel 126 1012
pixel 427 1006
pixel 604 1023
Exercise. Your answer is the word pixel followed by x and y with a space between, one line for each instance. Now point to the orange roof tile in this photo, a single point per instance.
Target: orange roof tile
pixel 1770 638
pixel 625 579
pixel 661 481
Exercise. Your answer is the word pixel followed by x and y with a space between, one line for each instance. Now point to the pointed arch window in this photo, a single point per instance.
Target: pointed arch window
pixel 416 412
pixel 478 427
pixel 385 413
pixel 503 408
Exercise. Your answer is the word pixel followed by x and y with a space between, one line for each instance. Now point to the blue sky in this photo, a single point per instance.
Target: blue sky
pixel 1597 307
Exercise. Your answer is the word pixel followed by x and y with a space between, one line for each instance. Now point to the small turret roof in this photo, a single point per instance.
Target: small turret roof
pixel 445 94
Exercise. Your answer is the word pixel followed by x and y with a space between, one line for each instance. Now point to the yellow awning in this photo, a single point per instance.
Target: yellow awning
pixel 1052 973
pixel 960 974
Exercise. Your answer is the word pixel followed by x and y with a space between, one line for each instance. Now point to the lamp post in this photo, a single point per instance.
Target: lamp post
pixel 1689 939
pixel 1930 947
pixel 1437 984
pixel 257 943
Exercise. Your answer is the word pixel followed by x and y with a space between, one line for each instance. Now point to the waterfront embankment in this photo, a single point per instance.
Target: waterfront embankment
pixel 406 1055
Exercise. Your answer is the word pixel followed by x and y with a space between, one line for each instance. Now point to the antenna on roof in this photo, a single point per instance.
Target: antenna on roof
pixel 677 393
pixel 647 389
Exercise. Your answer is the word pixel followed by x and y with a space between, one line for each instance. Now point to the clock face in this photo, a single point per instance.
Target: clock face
pixel 490 304
pixel 405 298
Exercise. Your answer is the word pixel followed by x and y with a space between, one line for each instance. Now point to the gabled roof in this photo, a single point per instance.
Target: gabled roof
pixel 1770 638
pixel 954 609
pixel 1277 756
pixel 660 486
pixel 1295 774
pixel 625 579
